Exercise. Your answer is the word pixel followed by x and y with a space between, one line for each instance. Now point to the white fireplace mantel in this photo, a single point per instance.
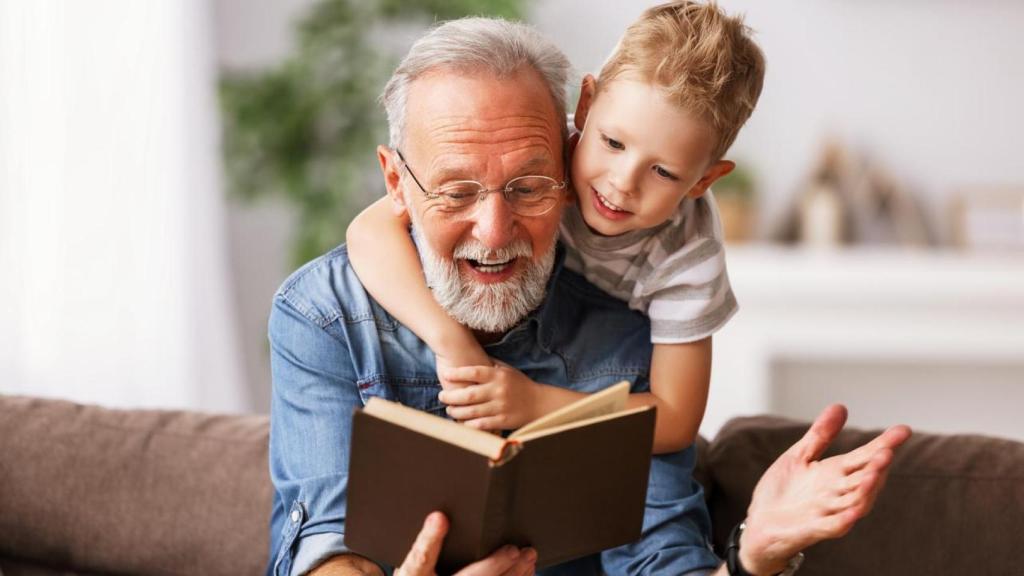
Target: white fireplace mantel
pixel 854 305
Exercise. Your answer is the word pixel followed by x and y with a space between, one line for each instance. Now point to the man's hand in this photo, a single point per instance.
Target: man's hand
pixel 506 561
pixel 495 397
pixel 801 500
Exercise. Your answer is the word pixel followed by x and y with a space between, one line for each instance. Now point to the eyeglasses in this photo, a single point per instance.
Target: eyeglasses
pixel 526 195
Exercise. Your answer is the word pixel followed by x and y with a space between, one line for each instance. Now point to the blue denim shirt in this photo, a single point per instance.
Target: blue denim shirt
pixel 333 347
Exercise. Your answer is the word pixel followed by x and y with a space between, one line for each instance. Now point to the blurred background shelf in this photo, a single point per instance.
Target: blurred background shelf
pixel 934 338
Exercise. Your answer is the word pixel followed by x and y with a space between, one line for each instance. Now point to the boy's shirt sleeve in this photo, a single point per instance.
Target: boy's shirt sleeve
pixel 686 292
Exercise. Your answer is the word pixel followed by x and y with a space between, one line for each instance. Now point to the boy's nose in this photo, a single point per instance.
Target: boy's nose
pixel 623 177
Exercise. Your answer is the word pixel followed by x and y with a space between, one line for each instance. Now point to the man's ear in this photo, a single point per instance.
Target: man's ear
pixel 714 172
pixel 587 92
pixel 392 171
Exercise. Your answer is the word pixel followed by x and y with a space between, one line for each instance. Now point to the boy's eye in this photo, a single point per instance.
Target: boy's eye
pixel 664 173
pixel 613 143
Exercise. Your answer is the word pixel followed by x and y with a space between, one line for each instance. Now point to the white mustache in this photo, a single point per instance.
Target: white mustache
pixel 473 250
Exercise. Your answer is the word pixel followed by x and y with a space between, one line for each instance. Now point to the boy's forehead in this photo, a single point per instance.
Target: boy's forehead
pixel 647 114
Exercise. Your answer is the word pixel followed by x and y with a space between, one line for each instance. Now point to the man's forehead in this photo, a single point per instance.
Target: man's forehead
pixel 472 104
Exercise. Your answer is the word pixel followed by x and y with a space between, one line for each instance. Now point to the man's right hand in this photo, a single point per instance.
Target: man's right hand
pixel 506 561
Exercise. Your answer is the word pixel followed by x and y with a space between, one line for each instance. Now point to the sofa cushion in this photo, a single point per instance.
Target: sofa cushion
pixel 952 504
pixel 88 489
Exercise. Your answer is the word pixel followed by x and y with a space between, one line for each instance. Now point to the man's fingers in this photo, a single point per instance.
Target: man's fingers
pixel 821 433
pixel 423 555
pixel 885 442
pixel 505 560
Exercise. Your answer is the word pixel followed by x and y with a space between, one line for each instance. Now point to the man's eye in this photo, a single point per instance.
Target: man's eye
pixel 664 173
pixel 613 143
pixel 523 190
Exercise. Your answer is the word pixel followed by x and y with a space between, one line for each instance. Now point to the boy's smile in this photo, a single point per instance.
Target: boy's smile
pixel 638 156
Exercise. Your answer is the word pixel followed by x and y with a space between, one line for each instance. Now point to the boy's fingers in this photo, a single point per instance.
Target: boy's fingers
pixel 466 413
pixel 467 373
pixel 463 396
pixel 487 423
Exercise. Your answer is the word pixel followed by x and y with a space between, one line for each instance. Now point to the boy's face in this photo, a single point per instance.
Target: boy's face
pixel 638 156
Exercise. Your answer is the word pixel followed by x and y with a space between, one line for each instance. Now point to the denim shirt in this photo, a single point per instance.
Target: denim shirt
pixel 333 347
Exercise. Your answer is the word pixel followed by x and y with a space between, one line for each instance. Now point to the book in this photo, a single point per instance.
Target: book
pixel 569 484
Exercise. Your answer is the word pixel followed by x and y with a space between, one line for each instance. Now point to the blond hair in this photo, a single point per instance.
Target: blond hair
pixel 704 60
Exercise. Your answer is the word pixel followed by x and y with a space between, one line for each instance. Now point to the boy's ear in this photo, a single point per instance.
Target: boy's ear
pixel 392 171
pixel 587 92
pixel 714 172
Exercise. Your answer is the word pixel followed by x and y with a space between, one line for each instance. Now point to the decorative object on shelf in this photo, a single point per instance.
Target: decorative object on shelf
pixel 307 129
pixel 850 200
pixel 735 195
pixel 989 218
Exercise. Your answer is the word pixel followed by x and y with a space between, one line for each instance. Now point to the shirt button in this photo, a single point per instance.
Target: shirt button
pixel 295 515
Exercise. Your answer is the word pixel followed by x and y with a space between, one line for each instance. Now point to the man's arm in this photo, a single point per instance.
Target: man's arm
pixel 347 565
pixel 314 395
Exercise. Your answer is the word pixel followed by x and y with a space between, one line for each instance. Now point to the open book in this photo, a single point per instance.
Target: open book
pixel 570 483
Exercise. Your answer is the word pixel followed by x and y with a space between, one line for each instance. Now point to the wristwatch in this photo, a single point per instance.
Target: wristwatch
pixel 732 555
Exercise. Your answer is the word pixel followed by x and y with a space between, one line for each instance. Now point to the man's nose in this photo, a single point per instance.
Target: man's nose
pixel 494 221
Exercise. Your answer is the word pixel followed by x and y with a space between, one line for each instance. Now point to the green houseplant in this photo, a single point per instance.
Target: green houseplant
pixel 306 129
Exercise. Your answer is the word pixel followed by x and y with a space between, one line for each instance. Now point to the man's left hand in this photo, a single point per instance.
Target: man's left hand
pixel 801 500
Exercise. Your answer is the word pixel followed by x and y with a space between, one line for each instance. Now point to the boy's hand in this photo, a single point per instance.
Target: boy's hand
pixel 495 397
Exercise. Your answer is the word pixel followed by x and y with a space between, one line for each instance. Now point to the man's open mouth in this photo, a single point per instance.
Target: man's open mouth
pixel 490 266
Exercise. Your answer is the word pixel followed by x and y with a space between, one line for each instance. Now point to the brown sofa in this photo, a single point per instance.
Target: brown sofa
pixel 87 490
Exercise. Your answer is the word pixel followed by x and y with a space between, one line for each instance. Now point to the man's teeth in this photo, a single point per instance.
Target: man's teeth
pixel 608 204
pixel 491 266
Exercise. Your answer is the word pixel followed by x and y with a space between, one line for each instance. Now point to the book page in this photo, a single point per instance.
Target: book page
pixel 610 400
pixel 483 443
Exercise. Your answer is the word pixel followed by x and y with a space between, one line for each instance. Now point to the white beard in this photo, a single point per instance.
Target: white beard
pixel 489 308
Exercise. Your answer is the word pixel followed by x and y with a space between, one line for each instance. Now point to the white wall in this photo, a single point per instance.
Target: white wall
pixel 114 285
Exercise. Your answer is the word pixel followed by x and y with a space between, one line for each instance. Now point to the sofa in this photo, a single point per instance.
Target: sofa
pixel 89 490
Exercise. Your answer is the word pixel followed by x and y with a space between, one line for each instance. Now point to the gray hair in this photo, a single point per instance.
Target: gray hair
pixel 474 44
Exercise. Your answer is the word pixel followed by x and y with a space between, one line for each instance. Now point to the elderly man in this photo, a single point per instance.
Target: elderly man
pixel 484 100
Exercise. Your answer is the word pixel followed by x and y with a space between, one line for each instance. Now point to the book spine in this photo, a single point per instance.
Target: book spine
pixel 498 509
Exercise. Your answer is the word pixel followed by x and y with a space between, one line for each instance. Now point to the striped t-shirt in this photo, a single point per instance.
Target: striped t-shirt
pixel 674 273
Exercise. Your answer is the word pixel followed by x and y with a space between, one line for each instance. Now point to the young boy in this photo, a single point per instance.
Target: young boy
pixel 653 130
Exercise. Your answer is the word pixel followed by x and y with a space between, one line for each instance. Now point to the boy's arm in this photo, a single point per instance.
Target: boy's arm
pixel 500 397
pixel 385 259
pixel 680 376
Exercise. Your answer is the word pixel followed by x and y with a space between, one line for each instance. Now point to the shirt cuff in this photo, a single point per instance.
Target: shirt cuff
pixel 315 549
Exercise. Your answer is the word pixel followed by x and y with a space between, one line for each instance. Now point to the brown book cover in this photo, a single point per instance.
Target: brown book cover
pixel 569 484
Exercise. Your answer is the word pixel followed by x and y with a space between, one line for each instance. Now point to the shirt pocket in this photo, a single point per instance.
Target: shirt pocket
pixel 415 392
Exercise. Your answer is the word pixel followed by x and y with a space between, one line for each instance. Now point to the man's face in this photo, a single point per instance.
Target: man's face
pixel 487 268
